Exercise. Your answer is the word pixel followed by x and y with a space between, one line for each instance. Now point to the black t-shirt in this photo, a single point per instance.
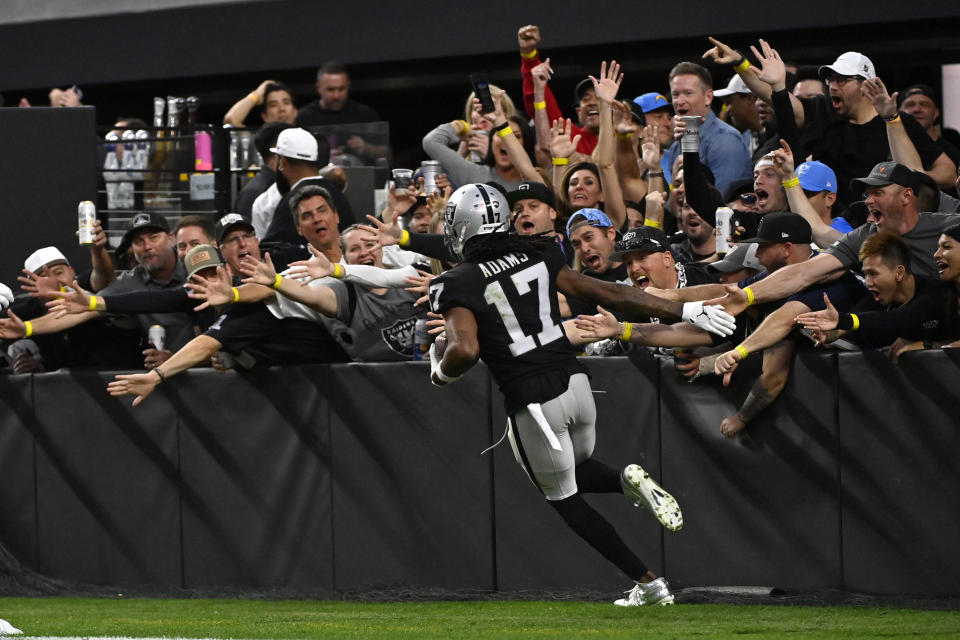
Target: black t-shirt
pixel 514 300
pixel 252 328
pixel 282 228
pixel 314 115
pixel 930 315
pixel 852 150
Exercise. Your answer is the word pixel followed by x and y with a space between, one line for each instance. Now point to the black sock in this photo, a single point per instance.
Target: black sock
pixel 600 534
pixel 596 477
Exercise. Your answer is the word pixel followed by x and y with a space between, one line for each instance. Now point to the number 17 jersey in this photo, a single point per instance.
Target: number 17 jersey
pixel 514 300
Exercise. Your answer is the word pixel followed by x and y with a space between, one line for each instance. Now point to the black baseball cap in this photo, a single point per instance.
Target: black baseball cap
pixel 640 240
pixel 917 89
pixel 885 173
pixel 228 223
pixel 782 226
pixel 581 89
pixel 532 191
pixel 144 220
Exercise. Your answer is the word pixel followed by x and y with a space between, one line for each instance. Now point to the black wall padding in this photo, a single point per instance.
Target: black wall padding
pixel 900 443
pixel 534 546
pixel 107 499
pixel 749 502
pixel 411 495
pixel 255 456
pixel 18 506
pixel 352 477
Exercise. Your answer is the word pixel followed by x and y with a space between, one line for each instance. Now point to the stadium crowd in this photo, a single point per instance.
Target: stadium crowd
pixel 835 197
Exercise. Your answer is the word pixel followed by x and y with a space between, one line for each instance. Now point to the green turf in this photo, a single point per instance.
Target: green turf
pixel 312 619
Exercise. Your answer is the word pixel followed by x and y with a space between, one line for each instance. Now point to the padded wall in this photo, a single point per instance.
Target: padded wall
pixel 353 477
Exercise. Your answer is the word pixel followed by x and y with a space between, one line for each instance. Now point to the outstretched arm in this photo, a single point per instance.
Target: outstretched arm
pixel 767 388
pixel 142 384
pixel 823 234
pixel 606 88
pixel 774 328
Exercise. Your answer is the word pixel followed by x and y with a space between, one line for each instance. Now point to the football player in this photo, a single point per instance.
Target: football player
pixel 500 304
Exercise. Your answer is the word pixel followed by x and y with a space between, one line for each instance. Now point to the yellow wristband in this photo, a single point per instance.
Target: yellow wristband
pixel 742 351
pixel 466 126
pixel 893 120
pixel 559 162
pixel 338 271
pixel 540 105
pixel 404 238
pixel 627 331
pixel 276 282
pixel 647 222
pixel 253 96
pixel 856 321
pixel 529 56
pixel 624 136
pixel 750 296
pixel 743 66
pixel 236 294
pixel 792 182
pixel 27 329
pixel 506 131
pixel 93 303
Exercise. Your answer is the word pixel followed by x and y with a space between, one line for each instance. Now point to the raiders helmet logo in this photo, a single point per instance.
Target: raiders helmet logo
pixel 399 336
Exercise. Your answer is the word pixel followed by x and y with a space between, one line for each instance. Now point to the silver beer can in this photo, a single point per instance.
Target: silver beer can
pixel 86 221
pixel 723 230
pixel 430 169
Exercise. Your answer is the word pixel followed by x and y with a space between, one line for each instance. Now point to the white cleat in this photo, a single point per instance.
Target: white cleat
pixel 656 592
pixel 7 629
pixel 642 490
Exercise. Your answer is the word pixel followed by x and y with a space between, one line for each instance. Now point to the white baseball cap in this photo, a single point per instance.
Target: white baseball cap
pixel 850 63
pixel 298 144
pixel 736 85
pixel 43 257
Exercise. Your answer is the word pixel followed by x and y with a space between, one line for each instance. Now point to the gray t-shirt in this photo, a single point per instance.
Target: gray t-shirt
pixel 922 240
pixel 461 171
pixel 378 328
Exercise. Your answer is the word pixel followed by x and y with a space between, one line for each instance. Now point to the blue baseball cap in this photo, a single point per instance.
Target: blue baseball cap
pixel 651 102
pixel 816 176
pixel 587 217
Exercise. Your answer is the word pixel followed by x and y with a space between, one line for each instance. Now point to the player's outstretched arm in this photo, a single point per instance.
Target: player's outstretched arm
pixel 633 300
pixel 462 348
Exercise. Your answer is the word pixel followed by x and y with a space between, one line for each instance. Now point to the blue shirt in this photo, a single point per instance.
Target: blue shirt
pixel 721 148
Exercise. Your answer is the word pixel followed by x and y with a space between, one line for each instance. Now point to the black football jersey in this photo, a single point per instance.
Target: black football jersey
pixel 514 301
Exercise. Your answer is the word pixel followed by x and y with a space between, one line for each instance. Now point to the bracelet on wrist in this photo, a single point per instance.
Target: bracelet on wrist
pixel 540 105
pixel 624 136
pixel 338 271
pixel 647 222
pixel 742 66
pixel 750 296
pixel 529 56
pixel 626 330
pixel 27 329
pixel 503 125
pixel 404 238
pixel 276 282
pixel 160 375
pixel 893 119
pixel 742 350
pixel 236 294
pixel 559 162
pixel 93 303
pixel 654 174
pixel 792 182
pixel 504 132
pixel 253 96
